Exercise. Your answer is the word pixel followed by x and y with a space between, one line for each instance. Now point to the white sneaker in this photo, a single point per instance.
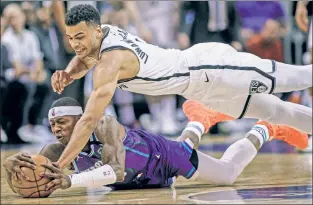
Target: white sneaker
pixel 4 137
pixel 169 127
pixel 26 133
pixel 43 134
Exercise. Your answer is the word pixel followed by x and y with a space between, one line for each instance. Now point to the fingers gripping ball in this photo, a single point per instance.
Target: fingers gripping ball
pixel 36 186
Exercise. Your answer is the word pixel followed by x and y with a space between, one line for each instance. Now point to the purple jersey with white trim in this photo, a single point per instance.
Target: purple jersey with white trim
pixel 151 160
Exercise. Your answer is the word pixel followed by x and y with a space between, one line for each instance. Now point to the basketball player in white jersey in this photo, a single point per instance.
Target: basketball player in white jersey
pixel 237 84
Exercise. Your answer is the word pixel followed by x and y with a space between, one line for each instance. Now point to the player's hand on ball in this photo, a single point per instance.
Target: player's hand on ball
pixel 60 180
pixel 14 163
pixel 59 80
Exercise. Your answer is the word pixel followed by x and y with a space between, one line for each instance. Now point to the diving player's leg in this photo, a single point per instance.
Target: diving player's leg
pixel 226 170
pixel 201 119
pixel 287 77
pixel 284 77
pixel 267 107
pixel 219 72
pixel 274 110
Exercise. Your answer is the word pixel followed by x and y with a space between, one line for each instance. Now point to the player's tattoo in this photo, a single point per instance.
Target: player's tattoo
pixel 52 151
pixel 109 133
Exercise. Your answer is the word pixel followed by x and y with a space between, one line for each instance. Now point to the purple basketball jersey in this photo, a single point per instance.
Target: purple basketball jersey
pixel 151 160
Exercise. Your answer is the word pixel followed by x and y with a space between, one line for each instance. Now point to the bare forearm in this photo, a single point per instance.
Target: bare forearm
pixel 119 171
pixel 111 133
pixel 84 128
pixel 17 65
pixel 39 65
pixel 134 14
pixel 76 68
pixel 82 132
pixel 303 3
pixel 59 14
pixel 116 159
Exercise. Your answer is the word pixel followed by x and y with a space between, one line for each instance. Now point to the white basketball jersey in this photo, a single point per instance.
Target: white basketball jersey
pixel 162 71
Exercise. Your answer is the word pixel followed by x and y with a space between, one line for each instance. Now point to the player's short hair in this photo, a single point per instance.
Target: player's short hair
pixel 82 12
pixel 65 101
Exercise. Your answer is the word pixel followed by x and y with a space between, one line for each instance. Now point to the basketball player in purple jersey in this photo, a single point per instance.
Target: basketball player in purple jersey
pixel 122 158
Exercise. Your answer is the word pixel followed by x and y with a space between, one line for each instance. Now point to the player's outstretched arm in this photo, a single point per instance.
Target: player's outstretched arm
pixel 106 75
pixel 76 69
pixel 111 133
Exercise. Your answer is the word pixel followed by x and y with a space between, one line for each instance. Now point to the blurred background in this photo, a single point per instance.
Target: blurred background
pixel 34 45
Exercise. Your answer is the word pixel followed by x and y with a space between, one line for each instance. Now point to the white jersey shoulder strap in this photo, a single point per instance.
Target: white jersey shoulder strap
pixel 116 38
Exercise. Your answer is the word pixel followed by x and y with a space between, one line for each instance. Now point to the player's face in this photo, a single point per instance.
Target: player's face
pixel 62 127
pixel 83 38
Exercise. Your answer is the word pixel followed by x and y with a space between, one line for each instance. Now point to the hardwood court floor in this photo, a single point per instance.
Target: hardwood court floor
pixel 277 175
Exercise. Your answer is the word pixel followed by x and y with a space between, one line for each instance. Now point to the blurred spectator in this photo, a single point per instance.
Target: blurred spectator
pixel 29 10
pixel 159 19
pixel 302 11
pixel 263 23
pixel 58 9
pixel 50 39
pixel 5 64
pixel 52 47
pixel 25 88
pixel 208 21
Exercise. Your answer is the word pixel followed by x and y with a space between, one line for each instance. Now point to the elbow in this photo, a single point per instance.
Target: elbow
pixel 88 121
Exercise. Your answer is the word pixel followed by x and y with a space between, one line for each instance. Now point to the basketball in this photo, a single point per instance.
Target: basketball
pixel 35 187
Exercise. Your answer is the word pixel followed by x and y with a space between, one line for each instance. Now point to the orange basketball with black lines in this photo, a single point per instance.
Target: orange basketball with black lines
pixel 36 186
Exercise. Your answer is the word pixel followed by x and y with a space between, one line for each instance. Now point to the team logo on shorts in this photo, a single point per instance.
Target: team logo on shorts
pixel 257 87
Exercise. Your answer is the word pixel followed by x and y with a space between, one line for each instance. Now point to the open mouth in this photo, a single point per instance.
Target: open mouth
pixel 78 51
pixel 59 137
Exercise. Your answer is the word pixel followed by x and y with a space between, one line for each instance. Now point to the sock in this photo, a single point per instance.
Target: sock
pixel 195 127
pixel 261 132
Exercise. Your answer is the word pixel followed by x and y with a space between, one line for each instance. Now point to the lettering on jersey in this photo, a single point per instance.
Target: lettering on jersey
pixel 142 55
pixel 122 33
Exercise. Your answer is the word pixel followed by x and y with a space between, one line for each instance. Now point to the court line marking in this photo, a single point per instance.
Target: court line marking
pixel 186 197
